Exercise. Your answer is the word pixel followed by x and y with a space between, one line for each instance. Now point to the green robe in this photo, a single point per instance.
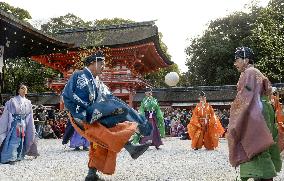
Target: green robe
pixel 268 163
pixel 151 104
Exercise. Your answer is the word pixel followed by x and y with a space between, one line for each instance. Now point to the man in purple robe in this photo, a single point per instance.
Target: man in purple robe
pixel 252 130
pixel 17 129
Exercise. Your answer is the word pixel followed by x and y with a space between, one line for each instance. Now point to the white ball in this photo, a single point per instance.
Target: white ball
pixel 171 79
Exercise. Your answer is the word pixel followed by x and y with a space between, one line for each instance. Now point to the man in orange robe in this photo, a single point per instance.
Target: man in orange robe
pixel 204 127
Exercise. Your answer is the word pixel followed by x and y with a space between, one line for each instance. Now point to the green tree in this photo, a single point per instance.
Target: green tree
pixel 24 70
pixel 184 80
pixel 268 39
pixel 67 21
pixel 113 21
pixel 18 12
pixel 157 79
pixel 210 57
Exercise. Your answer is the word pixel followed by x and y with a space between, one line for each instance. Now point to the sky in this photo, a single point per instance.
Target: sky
pixel 178 20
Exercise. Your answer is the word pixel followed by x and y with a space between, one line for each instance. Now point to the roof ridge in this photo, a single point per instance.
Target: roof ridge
pixel 10 16
pixel 197 88
pixel 108 27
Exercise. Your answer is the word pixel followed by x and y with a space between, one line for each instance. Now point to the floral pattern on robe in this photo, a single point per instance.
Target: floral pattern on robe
pixel 248 134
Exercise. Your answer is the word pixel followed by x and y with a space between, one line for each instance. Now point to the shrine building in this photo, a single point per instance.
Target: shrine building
pixel 132 50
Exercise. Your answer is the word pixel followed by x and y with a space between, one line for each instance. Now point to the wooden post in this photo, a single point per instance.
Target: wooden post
pixel 61 104
pixel 1 72
pixel 1 82
pixel 131 97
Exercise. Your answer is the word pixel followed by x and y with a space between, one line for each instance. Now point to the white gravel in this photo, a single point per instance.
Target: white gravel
pixel 174 161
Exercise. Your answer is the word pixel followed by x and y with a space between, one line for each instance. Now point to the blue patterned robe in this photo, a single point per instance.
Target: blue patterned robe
pixel 89 99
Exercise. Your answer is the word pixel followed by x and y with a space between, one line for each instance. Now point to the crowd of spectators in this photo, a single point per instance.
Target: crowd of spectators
pixel 51 122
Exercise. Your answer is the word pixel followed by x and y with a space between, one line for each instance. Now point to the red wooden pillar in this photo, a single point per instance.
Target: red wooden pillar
pixel 61 104
pixel 131 97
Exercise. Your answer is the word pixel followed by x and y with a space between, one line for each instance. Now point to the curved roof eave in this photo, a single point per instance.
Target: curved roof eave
pixel 24 26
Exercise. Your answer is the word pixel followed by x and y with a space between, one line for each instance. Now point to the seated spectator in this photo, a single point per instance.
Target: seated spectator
pixel 177 129
pixel 51 114
pixel 62 125
pixel 55 128
pixel 38 127
pixel 185 135
pixel 173 131
pixel 167 122
pixel 184 115
pixel 47 131
pixel 180 128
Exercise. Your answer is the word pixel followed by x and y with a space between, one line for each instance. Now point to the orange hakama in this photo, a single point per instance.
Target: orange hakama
pixel 105 143
pixel 204 127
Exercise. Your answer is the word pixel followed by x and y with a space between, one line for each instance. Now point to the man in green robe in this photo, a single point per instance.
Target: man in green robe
pixel 151 110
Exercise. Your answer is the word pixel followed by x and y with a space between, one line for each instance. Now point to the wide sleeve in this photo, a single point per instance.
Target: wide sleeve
pixel 72 101
pixel 240 106
pixel 69 95
pixel 5 121
pixel 214 123
pixel 30 138
pixel 247 124
pixel 194 124
pixel 160 119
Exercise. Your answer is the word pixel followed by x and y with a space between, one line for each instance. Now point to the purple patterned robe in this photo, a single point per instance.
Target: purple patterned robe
pixel 248 134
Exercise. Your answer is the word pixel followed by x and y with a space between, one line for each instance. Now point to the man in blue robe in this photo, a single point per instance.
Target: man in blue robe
pixel 90 102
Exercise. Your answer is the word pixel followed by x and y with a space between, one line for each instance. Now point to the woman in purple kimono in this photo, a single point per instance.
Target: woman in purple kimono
pixel 17 130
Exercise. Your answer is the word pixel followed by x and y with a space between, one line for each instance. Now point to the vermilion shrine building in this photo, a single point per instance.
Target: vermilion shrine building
pixel 132 50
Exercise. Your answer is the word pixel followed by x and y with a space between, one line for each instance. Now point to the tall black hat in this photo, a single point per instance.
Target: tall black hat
pixel 244 52
pixel 96 57
pixel 148 89
pixel 202 94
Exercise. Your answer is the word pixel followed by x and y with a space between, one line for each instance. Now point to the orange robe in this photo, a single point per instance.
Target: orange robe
pixel 202 133
pixel 105 143
pixel 280 120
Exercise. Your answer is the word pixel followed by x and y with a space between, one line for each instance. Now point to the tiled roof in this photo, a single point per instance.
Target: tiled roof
pixel 22 40
pixel 191 94
pixel 109 35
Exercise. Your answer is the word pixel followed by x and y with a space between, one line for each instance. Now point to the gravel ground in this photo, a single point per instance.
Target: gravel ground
pixel 174 161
